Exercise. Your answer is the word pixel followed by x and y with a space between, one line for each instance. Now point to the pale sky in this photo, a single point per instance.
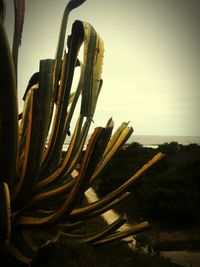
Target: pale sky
pixel 151 67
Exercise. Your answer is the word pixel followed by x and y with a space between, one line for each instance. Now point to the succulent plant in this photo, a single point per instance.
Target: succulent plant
pixel 42 186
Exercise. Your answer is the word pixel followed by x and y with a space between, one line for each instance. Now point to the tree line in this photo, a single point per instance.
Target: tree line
pixel 169 191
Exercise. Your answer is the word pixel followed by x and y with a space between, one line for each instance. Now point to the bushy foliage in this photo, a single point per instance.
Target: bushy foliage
pixel 130 158
pixel 170 191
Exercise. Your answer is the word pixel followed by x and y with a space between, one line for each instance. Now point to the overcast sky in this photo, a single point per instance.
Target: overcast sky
pixel 152 58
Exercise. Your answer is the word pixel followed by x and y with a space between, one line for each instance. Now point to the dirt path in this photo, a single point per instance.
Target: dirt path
pixel 111 216
pixel 184 258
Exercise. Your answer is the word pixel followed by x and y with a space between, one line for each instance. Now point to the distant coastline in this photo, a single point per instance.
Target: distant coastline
pixel 155 140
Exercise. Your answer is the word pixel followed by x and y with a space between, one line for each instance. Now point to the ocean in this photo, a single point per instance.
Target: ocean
pixel 155 140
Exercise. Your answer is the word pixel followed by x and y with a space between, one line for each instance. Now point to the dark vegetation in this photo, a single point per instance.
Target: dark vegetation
pixel 71 254
pixel 67 252
pixel 169 192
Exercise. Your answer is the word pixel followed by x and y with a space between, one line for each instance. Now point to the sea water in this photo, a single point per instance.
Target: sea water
pixel 154 140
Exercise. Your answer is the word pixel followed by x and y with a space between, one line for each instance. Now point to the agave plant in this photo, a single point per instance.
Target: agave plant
pixel 41 186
